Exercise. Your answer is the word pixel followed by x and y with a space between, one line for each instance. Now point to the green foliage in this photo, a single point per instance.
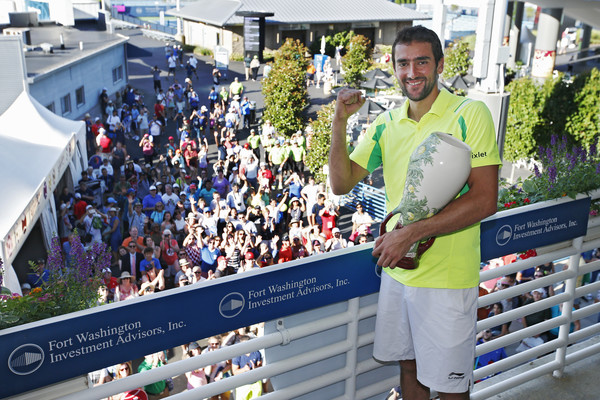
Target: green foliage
pixel 67 289
pixel 343 38
pixel 284 90
pixel 523 118
pixel 556 107
pixel 319 142
pixel 331 41
pixel 357 60
pixel 595 37
pixel 583 123
pixel 237 57
pixel 202 51
pixel 456 60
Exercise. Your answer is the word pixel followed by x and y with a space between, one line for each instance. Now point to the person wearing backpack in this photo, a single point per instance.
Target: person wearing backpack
pixel 93 224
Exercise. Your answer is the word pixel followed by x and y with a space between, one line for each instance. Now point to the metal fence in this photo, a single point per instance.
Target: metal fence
pixel 372 199
pixel 355 320
pixel 169 30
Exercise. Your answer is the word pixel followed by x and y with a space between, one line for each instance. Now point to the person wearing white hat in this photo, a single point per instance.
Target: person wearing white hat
pixel 127 288
pixel 538 316
pixel 336 242
pixel 149 202
pixel 93 223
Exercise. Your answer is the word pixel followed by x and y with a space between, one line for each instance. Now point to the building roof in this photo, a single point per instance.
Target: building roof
pixel 40 63
pixel 298 12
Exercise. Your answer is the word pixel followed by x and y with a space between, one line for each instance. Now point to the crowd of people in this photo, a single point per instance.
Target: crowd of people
pixel 220 194
pixel 181 210
pixel 197 377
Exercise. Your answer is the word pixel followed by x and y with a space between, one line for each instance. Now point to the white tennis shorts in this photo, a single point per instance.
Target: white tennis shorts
pixel 435 327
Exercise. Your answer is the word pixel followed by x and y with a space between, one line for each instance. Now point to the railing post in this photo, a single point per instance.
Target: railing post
pixel 352 338
pixel 567 308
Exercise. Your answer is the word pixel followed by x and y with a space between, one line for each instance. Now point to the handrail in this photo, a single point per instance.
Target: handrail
pixel 357 340
pixel 372 199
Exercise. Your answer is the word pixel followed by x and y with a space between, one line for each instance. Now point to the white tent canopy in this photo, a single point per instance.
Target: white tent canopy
pixel 37 147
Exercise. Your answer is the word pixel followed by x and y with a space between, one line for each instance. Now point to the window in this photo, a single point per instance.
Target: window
pixel 80 97
pixel 50 107
pixel 117 74
pixel 65 104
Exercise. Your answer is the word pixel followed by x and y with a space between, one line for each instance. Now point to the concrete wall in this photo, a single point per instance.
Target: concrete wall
pixel 93 73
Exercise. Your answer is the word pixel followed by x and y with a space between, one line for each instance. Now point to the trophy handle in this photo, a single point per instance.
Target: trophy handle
pixel 407 262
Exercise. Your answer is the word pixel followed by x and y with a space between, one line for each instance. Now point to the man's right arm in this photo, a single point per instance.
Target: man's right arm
pixel 343 172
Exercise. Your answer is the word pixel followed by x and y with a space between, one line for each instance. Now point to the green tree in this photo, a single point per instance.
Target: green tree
pixel 284 90
pixel 456 60
pixel 558 108
pixel 357 60
pixel 319 142
pixel 584 123
pixel 524 110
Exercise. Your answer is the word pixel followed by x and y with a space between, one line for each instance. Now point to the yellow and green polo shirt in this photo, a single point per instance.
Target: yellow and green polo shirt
pixel 453 260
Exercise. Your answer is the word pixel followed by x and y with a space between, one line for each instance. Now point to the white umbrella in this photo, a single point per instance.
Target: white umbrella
pixel 323 44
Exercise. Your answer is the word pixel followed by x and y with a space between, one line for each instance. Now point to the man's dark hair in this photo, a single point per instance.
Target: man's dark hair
pixel 418 34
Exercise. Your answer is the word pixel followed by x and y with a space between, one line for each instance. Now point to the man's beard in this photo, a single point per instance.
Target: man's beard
pixel 429 85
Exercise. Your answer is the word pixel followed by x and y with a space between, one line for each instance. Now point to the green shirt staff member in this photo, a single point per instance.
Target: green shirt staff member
pixel 426 319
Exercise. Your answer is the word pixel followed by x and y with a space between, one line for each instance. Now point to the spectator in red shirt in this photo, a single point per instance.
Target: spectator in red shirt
pixel 111 283
pixel 79 207
pixel 285 252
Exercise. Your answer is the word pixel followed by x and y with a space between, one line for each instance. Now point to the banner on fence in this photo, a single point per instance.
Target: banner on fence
pixel 539 227
pixel 60 348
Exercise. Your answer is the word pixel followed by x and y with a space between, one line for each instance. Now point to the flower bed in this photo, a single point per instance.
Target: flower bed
pixel 64 287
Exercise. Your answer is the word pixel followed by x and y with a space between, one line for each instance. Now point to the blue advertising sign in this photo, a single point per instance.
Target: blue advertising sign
pixel 540 227
pixel 45 352
pixel 319 61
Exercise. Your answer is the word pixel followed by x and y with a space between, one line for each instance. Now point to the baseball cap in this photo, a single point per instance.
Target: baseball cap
pixel 221 258
pixel 167 232
pixel 249 256
pixel 89 207
pixel 77 195
pixel 152 187
pixel 111 200
pixel 175 185
pixel 193 346
pixel 197 269
pixel 335 230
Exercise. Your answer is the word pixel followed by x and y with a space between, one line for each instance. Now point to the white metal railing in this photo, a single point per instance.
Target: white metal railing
pixel 355 340
pixel 372 199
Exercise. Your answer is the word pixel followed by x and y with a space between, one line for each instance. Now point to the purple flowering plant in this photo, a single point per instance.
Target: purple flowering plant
pixel 566 171
pixel 69 287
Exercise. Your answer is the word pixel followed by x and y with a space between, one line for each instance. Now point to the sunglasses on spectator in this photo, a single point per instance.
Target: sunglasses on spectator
pixel 132 246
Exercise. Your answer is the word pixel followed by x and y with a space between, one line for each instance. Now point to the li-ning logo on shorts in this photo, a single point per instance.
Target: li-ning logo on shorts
pixel 456 375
